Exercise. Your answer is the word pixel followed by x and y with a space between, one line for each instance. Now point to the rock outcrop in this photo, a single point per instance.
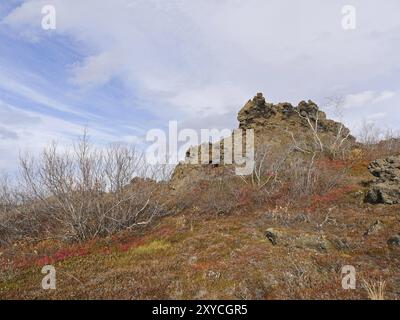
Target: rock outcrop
pixel 375 228
pixel 394 241
pixel 257 114
pixel 385 188
pixel 279 126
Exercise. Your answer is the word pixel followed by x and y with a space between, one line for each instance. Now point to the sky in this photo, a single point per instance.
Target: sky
pixel 120 68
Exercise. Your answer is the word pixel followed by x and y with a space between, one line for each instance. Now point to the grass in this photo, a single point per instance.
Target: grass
pixel 375 289
pixel 152 247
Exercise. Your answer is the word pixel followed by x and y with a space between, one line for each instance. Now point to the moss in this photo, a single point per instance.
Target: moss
pixel 150 248
pixel 21 280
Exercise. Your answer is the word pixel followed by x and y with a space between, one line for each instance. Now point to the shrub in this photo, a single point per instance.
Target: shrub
pixel 289 175
pixel 278 178
pixel 81 194
pixel 378 143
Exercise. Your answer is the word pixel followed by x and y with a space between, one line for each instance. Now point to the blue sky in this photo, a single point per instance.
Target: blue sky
pixel 123 67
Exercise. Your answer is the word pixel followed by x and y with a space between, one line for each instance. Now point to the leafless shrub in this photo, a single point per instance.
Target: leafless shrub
pixel 82 192
pixel 215 197
pixel 303 178
pixel 290 174
pixel 336 146
pixel 313 124
pixel 378 143
pixel 15 221
pixel 157 172
pixel 7 194
pixel 369 134
pixel 121 163
pixel 268 167
pixel 341 144
pixel 6 205
pixel 310 177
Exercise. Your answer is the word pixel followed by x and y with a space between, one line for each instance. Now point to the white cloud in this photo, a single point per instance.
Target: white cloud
pixel 96 70
pixel 385 95
pixel 366 98
pixel 377 116
pixel 212 99
pixel 20 89
pixel 7 134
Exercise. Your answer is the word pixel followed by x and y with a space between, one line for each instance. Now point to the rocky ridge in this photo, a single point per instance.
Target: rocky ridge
pixel 258 114
pixel 280 126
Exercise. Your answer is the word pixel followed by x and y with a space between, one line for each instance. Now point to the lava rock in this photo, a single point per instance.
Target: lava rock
pixel 375 228
pixel 394 241
pixel 291 238
pixel 385 188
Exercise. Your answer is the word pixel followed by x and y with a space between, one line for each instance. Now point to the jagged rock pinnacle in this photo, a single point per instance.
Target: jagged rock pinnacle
pixel 258 114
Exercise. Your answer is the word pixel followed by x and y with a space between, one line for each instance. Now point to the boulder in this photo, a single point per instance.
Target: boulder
pixel 375 228
pixel 385 188
pixel 386 170
pixel 394 241
pixel 385 193
pixel 309 109
pixel 291 238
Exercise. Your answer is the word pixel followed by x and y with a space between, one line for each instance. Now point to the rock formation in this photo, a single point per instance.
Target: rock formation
pixel 287 237
pixel 259 115
pixel 386 185
pixel 280 126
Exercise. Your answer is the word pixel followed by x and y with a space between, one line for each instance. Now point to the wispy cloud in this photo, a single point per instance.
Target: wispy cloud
pixel 7 134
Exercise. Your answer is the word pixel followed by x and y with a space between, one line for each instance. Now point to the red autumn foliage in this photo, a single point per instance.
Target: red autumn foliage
pixel 330 164
pixel 245 196
pixel 334 195
pixel 62 254
pixel 129 245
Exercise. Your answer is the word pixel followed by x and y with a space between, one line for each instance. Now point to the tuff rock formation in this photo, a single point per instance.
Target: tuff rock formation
pixel 258 114
pixel 386 185
pixel 280 126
